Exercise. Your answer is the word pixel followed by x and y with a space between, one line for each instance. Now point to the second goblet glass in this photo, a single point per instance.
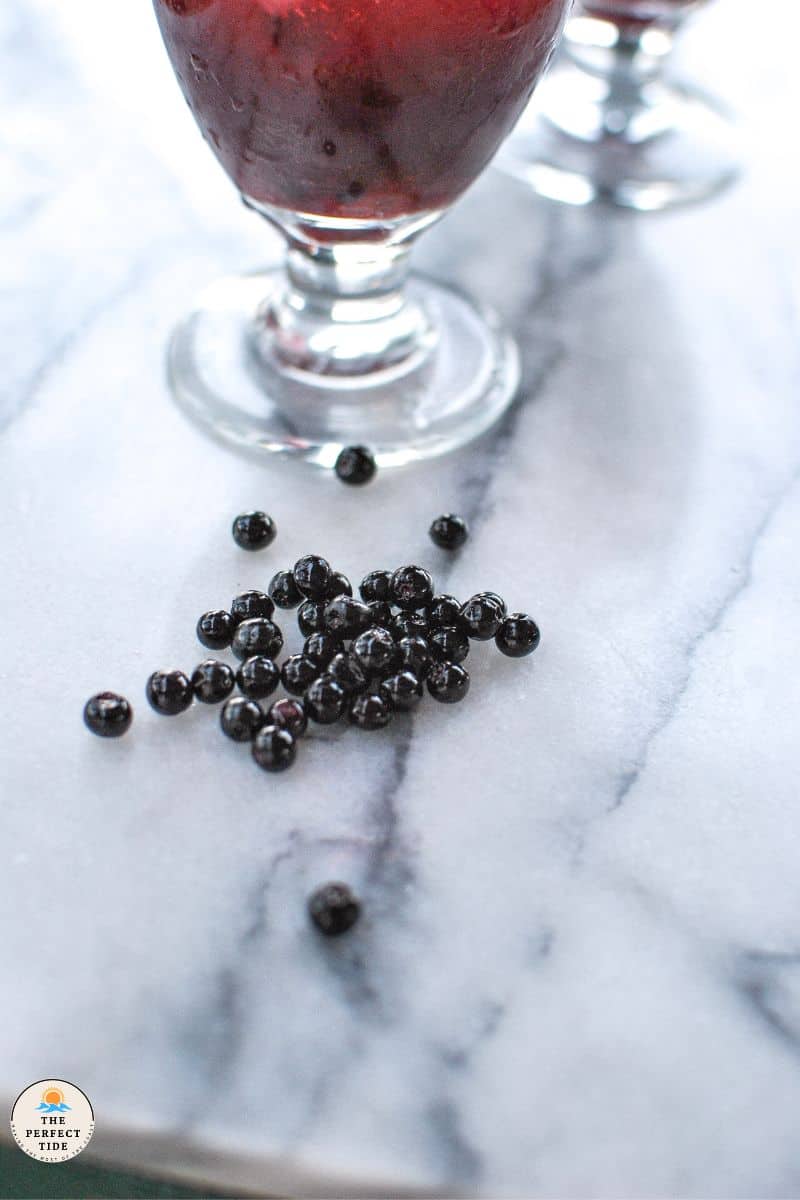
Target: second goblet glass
pixel 351 125
pixel 610 122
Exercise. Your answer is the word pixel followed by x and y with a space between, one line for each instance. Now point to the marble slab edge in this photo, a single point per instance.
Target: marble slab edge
pixel 177 1159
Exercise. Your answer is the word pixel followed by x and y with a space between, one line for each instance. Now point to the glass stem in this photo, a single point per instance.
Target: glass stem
pixel 629 60
pixel 342 307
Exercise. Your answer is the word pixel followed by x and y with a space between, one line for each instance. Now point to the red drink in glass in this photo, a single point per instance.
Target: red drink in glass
pixel 351 125
pixel 368 109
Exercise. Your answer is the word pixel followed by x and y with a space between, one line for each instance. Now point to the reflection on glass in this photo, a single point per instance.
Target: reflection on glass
pixel 610 122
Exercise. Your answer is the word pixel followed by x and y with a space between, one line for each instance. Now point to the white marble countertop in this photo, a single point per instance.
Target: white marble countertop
pixel 579 968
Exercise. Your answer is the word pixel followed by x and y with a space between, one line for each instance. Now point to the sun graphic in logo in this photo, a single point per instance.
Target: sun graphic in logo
pixel 53 1101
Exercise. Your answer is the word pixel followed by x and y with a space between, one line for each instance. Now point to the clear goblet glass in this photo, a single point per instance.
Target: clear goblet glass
pixel 610 122
pixel 351 125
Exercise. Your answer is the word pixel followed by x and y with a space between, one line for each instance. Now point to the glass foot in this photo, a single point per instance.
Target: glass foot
pixel 576 146
pixel 224 373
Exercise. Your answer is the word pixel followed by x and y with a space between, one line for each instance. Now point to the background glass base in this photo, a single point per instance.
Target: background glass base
pixel 574 146
pixel 458 384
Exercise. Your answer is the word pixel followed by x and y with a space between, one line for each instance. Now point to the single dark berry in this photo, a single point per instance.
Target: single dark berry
pixel 448 682
pixel 333 909
pixel 346 618
pixel 409 625
pixel 215 629
pixel 321 647
pixel 339 585
pixel 370 711
pixel 212 681
pixel 251 604
pixel 325 700
pixel 254 531
pixel 376 651
pixel 376 586
pixel 312 575
pixel 241 719
pixel 380 613
pixel 284 591
pixel 443 610
pixel 289 714
pixel 169 692
pixel 448 644
pixel 348 673
pixel 311 617
pixel 499 601
pixel 257 635
pixel 258 677
pixel 518 635
pixel 402 692
pixel 415 656
pixel 298 673
pixel 274 748
pixel 481 617
pixel 108 715
pixel 449 532
pixel 355 465
pixel 412 588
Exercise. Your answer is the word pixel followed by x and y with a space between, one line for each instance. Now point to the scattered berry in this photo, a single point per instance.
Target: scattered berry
pixel 257 635
pixel 339 585
pixel 409 625
pixel 325 700
pixel 212 681
pixel 321 647
pixel 289 714
pixel 346 618
pixel 380 613
pixel 355 465
pixel 499 601
pixel 370 711
pixel 449 532
pixel 312 575
pixel 518 635
pixel 376 651
pixel 251 604
pixel 402 692
pixel 415 656
pixel 448 682
pixel 348 673
pixel 443 610
pixel 449 644
pixel 108 715
pixel 481 617
pixel 169 692
pixel 333 909
pixel 215 629
pixel 376 586
pixel 254 531
pixel 412 588
pixel 258 677
pixel 274 748
pixel 311 617
pixel 284 591
pixel 241 718
pixel 298 673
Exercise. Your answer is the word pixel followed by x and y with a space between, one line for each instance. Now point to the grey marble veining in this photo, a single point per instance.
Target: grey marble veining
pixel 579 971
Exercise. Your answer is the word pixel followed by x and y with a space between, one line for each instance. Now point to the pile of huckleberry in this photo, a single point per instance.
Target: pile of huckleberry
pixel 364 658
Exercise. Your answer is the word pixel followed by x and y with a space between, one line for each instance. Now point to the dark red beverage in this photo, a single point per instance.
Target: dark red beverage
pixel 371 109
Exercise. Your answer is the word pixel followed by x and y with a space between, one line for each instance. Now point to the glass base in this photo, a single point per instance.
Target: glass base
pixel 576 146
pixel 459 380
